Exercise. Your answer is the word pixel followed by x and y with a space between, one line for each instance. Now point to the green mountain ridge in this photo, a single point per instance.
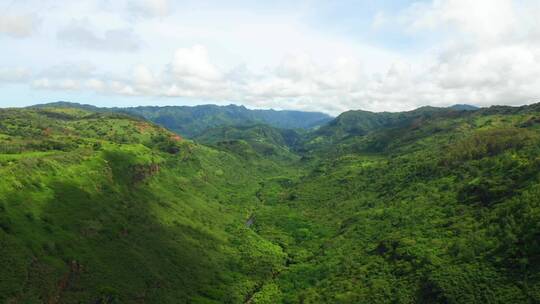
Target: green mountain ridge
pixel 191 121
pixel 435 205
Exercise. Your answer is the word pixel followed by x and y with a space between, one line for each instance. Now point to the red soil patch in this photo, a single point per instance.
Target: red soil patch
pixel 47 132
pixel 176 138
pixel 142 126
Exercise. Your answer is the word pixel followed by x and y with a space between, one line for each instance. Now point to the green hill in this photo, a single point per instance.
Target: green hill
pixel 104 208
pixel 444 212
pixel 193 121
pixel 435 205
pixel 268 142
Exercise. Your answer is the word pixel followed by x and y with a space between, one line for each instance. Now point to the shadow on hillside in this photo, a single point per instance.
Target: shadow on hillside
pixel 109 247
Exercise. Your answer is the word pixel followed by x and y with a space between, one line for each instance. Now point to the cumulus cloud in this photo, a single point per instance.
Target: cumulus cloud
pixel 483 58
pixel 144 79
pixel 192 74
pixel 481 52
pixel 300 79
pixel 486 19
pixel 65 84
pixel 500 65
pixel 96 85
pixel 18 26
pixel 81 34
pixel 194 63
pixel 487 52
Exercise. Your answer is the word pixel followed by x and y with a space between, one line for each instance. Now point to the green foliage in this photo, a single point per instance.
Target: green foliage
pixel 267 142
pixel 121 216
pixel 488 143
pixel 427 206
pixel 194 121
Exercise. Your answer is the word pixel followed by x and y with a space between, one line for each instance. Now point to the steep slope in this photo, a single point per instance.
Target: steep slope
pixel 104 208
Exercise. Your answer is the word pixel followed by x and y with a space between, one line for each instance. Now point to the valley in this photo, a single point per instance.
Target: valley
pixel 435 205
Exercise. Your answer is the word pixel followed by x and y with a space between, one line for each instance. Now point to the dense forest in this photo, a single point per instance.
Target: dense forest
pixel 435 205
pixel 192 121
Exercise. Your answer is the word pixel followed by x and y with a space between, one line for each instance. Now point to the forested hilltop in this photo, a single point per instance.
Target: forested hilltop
pixel 435 205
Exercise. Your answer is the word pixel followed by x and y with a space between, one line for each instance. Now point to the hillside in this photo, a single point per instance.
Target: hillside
pixel 433 205
pixel 443 212
pixel 359 123
pixel 105 208
pixel 193 121
pixel 268 142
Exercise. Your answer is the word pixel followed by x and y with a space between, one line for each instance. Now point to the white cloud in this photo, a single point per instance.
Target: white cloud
pixel 79 69
pixel 81 34
pixel 194 63
pixel 14 74
pixel 299 81
pixel 95 85
pixel 448 51
pixel 145 80
pixel 486 19
pixel 18 26
pixel 64 84
pixel 150 8
pixel 121 88
pixel 486 53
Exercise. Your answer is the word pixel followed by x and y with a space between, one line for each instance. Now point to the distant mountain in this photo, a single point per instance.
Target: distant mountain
pixel 193 121
pixel 266 141
pixel 357 122
pixel 67 104
pixel 463 107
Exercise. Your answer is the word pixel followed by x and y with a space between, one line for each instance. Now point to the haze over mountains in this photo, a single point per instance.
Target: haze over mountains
pixel 435 205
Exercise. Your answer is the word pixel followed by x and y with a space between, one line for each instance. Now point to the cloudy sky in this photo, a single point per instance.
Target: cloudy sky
pixel 329 56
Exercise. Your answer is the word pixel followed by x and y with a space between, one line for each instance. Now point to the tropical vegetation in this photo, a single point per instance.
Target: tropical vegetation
pixel 435 205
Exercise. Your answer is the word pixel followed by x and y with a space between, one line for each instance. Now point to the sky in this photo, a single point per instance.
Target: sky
pixel 329 56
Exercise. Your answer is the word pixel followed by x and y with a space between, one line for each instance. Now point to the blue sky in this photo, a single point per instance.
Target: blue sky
pixel 326 56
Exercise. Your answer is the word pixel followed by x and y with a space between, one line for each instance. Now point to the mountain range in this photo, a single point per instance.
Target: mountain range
pixel 192 121
pixel 231 205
